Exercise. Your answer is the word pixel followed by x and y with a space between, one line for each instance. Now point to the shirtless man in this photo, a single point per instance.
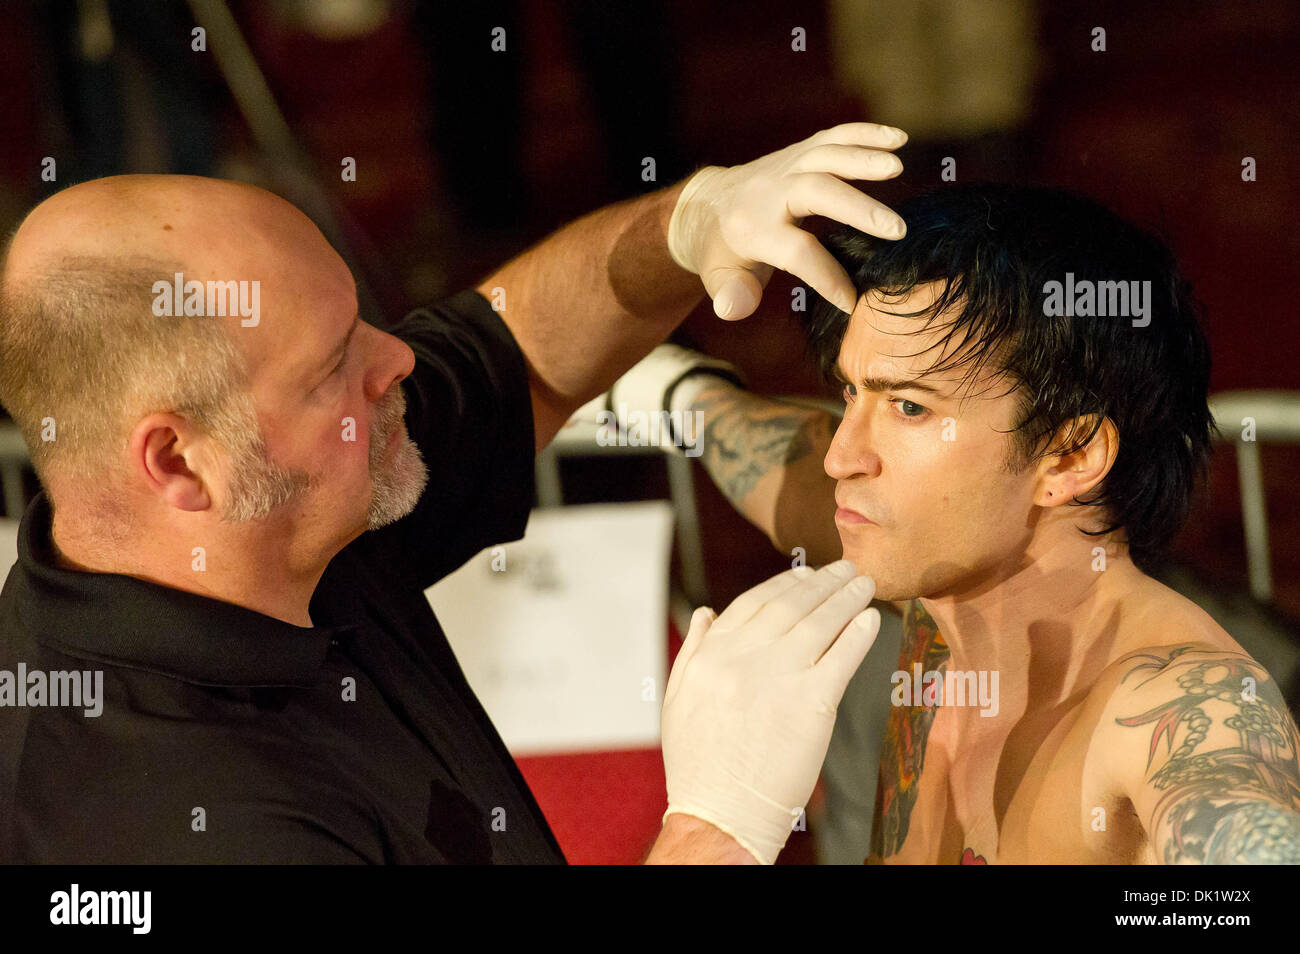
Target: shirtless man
pixel 1125 725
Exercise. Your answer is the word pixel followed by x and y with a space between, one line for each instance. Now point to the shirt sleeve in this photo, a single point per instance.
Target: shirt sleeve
pixel 469 411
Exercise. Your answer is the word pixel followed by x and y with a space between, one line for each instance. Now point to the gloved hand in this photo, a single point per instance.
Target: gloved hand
pixel 732 224
pixel 751 701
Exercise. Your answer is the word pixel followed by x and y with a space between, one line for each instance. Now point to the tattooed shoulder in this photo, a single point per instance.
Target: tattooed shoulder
pixel 1210 748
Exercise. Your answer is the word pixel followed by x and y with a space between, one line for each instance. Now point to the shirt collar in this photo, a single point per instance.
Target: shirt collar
pixel 126 621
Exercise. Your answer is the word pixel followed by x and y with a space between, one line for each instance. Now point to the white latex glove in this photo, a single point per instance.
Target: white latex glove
pixel 732 224
pixel 751 701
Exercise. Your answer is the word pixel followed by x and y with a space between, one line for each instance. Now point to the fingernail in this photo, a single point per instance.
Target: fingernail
pixel 900 137
pixel 724 305
pixel 802 571
pixel 863 584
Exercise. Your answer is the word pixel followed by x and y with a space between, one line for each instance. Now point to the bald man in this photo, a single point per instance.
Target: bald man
pixel 216 642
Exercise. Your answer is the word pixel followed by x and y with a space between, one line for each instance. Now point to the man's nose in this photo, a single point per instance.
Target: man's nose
pixel 391 360
pixel 850 454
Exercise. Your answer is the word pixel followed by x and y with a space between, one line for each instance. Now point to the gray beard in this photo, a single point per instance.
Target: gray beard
pixel 396 485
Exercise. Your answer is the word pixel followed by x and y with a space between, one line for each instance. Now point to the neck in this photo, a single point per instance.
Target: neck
pixel 1045 624
pixel 256 567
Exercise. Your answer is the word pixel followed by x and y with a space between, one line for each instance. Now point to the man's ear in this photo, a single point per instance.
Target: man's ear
pixel 174 460
pixel 1065 477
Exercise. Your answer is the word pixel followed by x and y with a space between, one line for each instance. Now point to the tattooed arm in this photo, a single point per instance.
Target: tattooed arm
pixel 1207 755
pixel 766 458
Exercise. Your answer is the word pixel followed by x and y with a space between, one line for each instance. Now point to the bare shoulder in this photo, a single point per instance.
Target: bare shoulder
pixel 1169 661
pixel 1169 638
pixel 1196 735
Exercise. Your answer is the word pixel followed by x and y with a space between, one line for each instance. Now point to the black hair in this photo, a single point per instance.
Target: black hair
pixel 996 248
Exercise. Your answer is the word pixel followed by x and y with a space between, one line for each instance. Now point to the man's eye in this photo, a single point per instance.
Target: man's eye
pixel 920 410
pixel 343 359
pixel 849 393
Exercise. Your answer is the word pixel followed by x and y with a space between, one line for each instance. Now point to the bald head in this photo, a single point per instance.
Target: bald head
pixel 211 229
pixel 84 353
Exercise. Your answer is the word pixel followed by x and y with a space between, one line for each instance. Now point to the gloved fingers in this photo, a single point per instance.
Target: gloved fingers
pixel 735 289
pixel 861 134
pixel 782 613
pixel 845 655
pixel 814 193
pixel 812 636
pixel 798 252
pixel 701 620
pixel 744 606
pixel 849 162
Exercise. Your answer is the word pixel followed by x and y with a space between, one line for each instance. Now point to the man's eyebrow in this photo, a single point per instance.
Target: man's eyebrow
pixel 879 385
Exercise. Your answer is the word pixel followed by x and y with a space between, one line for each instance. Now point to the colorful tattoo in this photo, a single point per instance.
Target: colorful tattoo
pixel 1235 804
pixel 903 754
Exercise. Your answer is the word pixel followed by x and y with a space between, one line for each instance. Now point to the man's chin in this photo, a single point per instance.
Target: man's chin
pixel 396 485
pixel 887 589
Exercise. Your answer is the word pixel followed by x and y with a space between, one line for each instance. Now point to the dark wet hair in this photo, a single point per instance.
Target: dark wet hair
pixel 995 248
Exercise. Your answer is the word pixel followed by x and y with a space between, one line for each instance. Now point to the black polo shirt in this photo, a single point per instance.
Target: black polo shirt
pixel 229 736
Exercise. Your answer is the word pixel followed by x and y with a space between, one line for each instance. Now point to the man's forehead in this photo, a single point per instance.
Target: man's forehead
pixel 889 346
pixel 884 338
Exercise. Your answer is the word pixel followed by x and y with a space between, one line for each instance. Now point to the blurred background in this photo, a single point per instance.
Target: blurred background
pixel 465 154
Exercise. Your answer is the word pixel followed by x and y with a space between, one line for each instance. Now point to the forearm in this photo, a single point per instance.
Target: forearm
pixel 589 301
pixel 766 458
pixel 686 840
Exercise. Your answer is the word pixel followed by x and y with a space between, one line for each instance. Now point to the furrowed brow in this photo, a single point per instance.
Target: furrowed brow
pixel 879 385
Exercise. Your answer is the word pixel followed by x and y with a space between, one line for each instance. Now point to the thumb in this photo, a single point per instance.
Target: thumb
pixel 735 290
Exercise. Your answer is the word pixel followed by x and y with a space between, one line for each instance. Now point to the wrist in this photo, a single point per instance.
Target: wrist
pixel 680 395
pixel 683 224
pixel 686 839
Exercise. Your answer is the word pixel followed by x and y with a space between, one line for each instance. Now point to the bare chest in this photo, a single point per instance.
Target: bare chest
pixel 1033 797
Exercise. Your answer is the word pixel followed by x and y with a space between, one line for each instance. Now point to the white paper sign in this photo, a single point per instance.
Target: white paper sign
pixel 563 635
